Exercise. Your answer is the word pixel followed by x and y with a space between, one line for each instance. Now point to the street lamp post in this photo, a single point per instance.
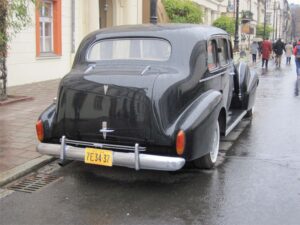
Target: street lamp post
pixel 274 20
pixel 236 33
pixel 153 9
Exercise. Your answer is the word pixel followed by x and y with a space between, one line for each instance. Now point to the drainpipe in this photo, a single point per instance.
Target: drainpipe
pixel 153 9
pixel 73 26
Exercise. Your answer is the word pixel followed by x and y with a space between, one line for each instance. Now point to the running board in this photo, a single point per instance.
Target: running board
pixel 235 117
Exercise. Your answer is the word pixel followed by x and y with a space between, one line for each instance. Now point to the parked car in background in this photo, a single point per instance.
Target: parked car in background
pixel 148 97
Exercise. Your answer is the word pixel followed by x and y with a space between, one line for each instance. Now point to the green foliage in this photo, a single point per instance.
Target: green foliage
pixel 14 16
pixel 226 23
pixel 247 14
pixel 183 11
pixel 260 30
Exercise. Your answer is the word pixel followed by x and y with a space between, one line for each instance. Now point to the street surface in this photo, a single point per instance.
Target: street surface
pixel 256 182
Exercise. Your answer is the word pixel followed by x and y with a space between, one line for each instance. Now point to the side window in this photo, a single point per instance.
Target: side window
pixel 223 52
pixel 212 55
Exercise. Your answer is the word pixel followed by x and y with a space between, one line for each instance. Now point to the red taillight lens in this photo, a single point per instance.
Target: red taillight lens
pixel 40 130
pixel 180 142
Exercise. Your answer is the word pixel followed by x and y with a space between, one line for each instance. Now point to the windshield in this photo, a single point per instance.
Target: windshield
pixel 130 49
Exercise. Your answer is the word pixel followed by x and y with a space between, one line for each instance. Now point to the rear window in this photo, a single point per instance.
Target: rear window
pixel 130 49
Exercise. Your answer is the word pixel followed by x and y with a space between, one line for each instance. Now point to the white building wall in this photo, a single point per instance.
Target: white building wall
pixel 212 9
pixel 22 63
pixel 127 12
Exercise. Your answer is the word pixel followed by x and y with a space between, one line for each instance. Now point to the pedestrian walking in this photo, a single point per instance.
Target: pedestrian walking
pixel 296 52
pixel 266 49
pixel 288 53
pixel 278 49
pixel 254 47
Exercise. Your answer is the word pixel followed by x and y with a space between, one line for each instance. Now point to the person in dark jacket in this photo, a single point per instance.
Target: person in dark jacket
pixel 296 52
pixel 278 49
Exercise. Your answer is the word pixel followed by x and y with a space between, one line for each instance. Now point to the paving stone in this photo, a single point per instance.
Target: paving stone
pixel 17 123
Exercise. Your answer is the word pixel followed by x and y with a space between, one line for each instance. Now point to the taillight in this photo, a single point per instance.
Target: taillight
pixel 40 130
pixel 180 142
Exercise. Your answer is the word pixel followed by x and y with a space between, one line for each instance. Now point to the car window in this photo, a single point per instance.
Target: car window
pixel 223 51
pixel 211 55
pixel 130 49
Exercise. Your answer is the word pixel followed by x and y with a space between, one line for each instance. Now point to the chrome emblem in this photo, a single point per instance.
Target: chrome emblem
pixel 105 88
pixel 104 129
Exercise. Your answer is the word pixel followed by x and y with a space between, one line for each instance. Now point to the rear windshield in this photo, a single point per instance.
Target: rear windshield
pixel 130 49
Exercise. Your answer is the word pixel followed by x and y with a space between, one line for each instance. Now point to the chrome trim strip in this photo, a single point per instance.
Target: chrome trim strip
pixel 233 125
pixel 103 145
pixel 146 69
pixel 62 155
pixel 125 159
pixel 106 130
pixel 136 157
pixel 212 77
pixel 90 68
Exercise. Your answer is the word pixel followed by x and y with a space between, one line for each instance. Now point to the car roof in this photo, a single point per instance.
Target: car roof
pixel 159 30
pixel 183 37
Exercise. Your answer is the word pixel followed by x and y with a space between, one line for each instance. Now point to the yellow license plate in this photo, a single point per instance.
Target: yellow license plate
pixel 98 157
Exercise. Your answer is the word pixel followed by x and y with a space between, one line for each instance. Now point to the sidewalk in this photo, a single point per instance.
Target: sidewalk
pixel 17 129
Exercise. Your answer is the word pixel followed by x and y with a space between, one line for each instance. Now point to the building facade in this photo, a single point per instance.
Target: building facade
pixel 45 49
pixel 212 9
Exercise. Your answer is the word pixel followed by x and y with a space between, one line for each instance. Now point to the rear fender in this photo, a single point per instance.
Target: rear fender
pixel 197 121
pixel 47 117
pixel 245 87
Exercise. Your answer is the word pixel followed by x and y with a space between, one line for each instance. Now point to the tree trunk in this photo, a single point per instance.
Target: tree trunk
pixel 3 48
pixel 3 79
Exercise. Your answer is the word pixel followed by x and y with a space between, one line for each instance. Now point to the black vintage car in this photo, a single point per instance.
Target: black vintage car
pixel 148 97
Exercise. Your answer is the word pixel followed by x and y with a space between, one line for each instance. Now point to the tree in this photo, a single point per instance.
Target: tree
pixel 14 16
pixel 226 23
pixel 183 11
pixel 260 30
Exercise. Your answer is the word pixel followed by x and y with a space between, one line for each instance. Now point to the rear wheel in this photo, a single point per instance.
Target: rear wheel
pixel 209 160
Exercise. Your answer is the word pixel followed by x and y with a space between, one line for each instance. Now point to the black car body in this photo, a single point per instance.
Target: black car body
pixel 153 96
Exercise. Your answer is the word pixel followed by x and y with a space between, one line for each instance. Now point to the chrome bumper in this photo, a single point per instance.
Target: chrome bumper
pixel 134 159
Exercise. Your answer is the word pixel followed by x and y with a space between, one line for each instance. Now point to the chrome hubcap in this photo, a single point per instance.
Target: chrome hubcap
pixel 216 141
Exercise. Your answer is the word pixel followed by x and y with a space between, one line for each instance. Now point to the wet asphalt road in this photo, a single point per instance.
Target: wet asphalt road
pixel 258 181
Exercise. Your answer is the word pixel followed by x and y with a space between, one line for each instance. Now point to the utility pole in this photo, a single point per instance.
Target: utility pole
pixel 153 11
pixel 276 25
pixel 274 20
pixel 236 33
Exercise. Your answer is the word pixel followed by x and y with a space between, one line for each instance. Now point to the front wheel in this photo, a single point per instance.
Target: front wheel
pixel 209 160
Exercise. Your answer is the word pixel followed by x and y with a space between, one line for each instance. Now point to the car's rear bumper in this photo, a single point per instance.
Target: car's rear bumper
pixel 134 159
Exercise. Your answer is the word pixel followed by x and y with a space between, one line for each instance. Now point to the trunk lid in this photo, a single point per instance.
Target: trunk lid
pixel 106 106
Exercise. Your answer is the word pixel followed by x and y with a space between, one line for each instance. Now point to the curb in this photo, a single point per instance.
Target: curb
pixel 19 171
pixel 13 98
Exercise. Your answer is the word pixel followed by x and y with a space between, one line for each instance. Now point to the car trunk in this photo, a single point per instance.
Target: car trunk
pixel 106 106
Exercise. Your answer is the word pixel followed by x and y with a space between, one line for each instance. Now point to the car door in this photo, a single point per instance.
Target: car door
pixel 226 69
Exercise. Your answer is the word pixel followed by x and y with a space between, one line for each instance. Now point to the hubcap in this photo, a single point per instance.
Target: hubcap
pixel 215 147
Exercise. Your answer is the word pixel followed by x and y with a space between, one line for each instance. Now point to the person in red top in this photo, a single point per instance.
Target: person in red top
pixel 266 49
pixel 296 52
